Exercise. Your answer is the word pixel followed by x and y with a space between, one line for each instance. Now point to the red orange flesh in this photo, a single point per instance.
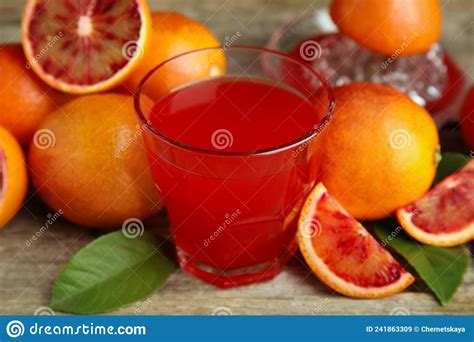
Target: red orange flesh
pixel 84 46
pixel 445 215
pixel 343 254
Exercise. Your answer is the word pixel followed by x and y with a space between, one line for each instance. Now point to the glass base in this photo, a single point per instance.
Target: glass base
pixel 235 277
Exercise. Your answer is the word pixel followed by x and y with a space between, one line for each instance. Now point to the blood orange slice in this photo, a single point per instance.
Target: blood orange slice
pixel 343 254
pixel 84 46
pixel 445 215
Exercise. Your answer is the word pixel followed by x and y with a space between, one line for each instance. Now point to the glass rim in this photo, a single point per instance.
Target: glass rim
pixel 315 130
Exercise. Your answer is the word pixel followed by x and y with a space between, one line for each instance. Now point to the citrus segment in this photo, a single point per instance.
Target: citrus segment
pixel 445 215
pixel 343 254
pixel 84 46
pixel 13 177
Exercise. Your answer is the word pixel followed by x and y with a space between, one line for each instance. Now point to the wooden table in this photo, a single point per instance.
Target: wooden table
pixel 27 273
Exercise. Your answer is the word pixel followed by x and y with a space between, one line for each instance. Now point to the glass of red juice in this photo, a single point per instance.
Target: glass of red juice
pixel 233 143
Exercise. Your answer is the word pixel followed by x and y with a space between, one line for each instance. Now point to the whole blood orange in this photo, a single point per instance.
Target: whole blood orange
pixel 13 177
pixel 174 34
pixel 392 27
pixel 84 46
pixel 88 160
pixel 467 119
pixel 24 99
pixel 445 215
pixel 379 152
pixel 343 254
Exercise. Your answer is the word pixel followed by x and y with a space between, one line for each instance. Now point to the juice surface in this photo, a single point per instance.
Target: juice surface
pixel 257 115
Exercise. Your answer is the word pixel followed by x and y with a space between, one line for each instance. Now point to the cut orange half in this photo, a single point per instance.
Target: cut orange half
pixel 445 215
pixel 84 46
pixel 13 177
pixel 341 252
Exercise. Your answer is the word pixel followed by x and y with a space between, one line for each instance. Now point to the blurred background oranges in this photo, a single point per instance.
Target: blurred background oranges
pixel 390 26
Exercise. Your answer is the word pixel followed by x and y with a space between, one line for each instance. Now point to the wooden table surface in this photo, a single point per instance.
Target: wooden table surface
pixel 27 273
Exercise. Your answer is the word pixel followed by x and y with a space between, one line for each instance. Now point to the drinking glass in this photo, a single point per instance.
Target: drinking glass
pixel 233 210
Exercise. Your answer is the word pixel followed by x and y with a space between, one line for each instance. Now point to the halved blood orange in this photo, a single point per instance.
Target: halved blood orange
pixel 341 252
pixel 445 215
pixel 13 177
pixel 84 46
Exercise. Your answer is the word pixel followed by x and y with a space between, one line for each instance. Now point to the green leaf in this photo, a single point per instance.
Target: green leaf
pixel 450 163
pixel 442 269
pixel 110 272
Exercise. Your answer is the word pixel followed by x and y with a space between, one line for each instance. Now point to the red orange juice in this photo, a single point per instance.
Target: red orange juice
pixel 234 158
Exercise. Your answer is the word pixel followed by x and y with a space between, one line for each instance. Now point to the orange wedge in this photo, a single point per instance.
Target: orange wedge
pixel 445 215
pixel 342 254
